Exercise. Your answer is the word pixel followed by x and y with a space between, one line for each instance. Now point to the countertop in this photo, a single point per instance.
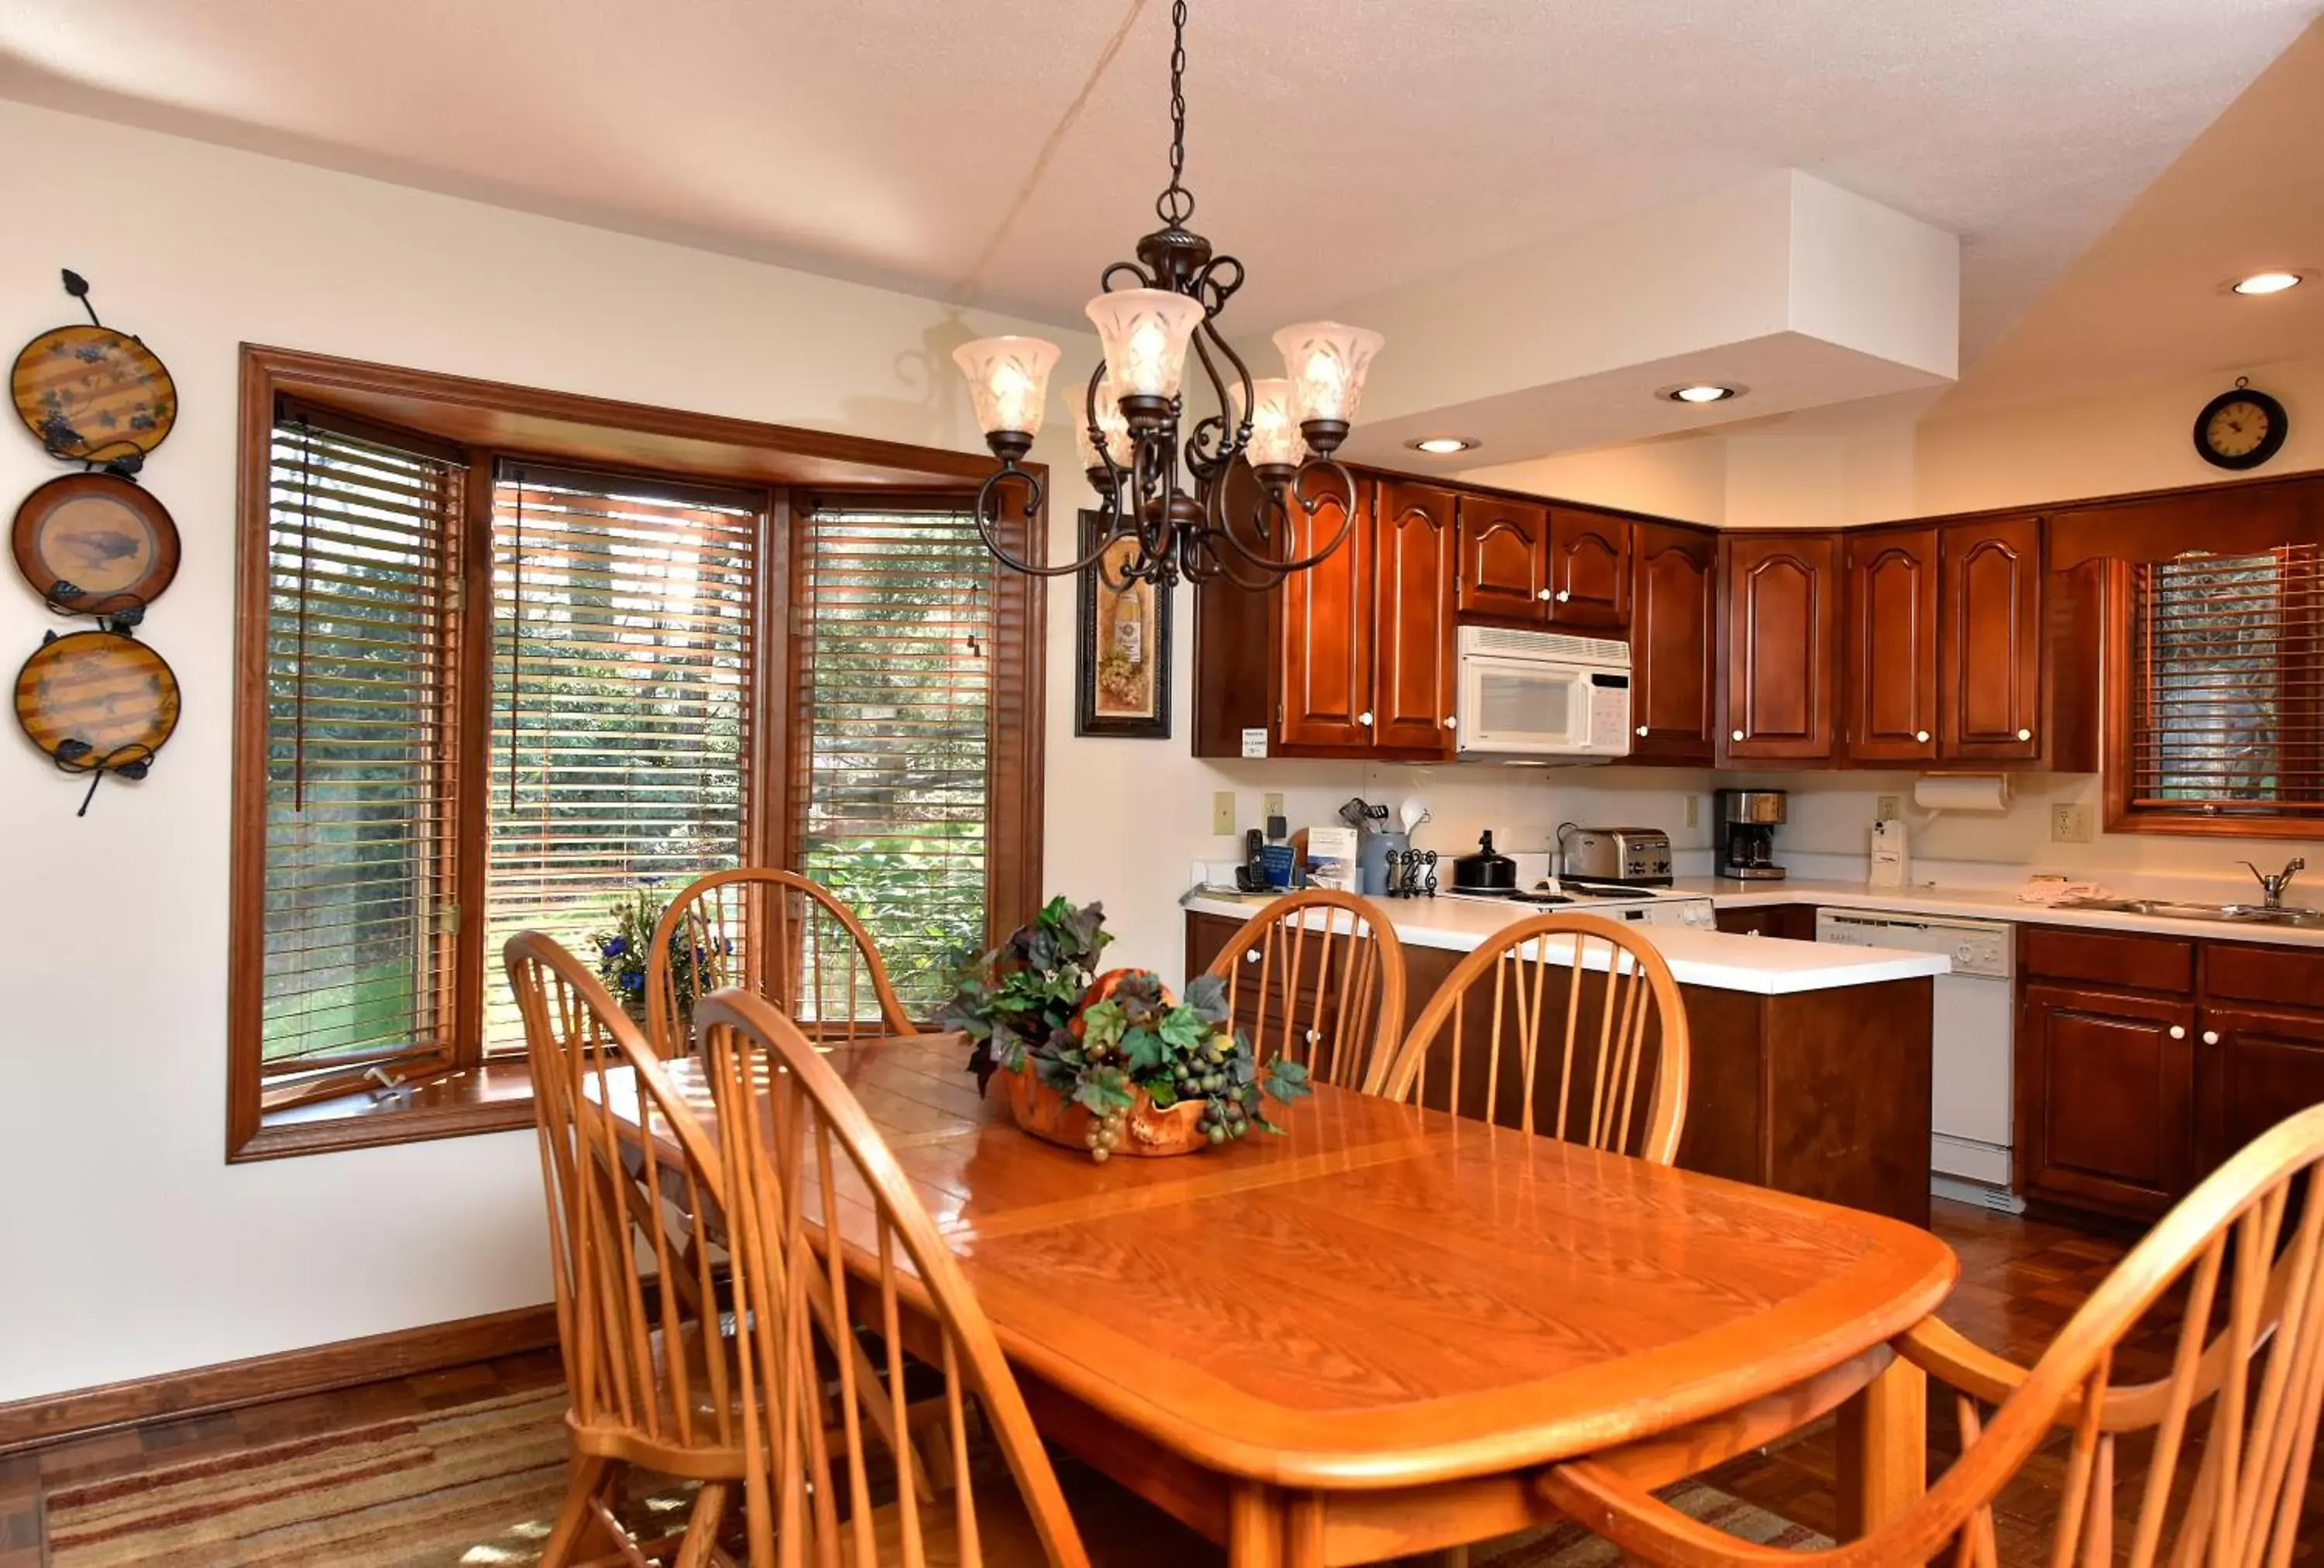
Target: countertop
pixel 1712 959
pixel 1994 904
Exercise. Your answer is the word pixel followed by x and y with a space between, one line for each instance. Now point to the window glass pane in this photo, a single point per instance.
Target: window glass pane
pixel 891 759
pixel 621 650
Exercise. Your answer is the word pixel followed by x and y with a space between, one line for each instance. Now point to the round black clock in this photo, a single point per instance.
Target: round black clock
pixel 2240 428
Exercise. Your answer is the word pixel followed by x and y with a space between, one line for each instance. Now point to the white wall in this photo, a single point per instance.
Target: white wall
pixel 130 1246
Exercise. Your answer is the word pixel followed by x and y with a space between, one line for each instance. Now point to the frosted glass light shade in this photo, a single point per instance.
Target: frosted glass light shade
pixel 1112 423
pixel 1145 333
pixel 1326 362
pixel 1008 381
pixel 1275 438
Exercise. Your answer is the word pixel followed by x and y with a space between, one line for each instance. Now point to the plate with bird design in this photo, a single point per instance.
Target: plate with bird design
pixel 95 544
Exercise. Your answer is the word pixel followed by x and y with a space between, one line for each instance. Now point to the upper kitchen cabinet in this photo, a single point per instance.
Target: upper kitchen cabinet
pixel 1989 706
pixel 1325 686
pixel 1504 559
pixel 1674 652
pixel 1414 540
pixel 1589 569
pixel 1780 622
pixel 1891 679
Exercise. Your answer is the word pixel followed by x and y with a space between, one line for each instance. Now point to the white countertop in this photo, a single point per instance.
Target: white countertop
pixel 1989 904
pixel 1706 958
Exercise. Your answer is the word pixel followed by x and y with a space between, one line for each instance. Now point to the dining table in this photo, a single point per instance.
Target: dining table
pixel 1366 1337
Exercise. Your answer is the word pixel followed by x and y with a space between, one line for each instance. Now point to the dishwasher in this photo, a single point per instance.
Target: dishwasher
pixel 1971 1077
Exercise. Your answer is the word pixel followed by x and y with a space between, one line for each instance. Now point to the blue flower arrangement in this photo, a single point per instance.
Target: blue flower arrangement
pixel 621 956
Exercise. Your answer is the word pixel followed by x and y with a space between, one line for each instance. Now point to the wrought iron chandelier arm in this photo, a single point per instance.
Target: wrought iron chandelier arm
pixel 1291 495
pixel 989 511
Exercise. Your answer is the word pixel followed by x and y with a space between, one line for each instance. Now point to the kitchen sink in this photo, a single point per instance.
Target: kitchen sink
pixel 2175 909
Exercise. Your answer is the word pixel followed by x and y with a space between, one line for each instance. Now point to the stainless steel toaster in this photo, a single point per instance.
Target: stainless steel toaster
pixel 1615 854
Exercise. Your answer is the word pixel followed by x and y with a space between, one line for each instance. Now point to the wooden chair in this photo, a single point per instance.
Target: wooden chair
pixel 2241 1253
pixel 1318 976
pixel 813 1488
pixel 782 936
pixel 653 1382
pixel 1477 1047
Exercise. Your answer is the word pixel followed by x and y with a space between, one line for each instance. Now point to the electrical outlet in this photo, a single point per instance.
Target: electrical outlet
pixel 1885 809
pixel 1693 809
pixel 1222 812
pixel 1272 803
pixel 2069 824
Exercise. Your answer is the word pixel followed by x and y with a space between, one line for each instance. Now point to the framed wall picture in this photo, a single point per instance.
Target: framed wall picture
pixel 1121 686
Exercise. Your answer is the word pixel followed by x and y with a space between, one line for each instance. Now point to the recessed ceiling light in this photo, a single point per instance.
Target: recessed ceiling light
pixel 2267 284
pixel 1442 446
pixel 1701 392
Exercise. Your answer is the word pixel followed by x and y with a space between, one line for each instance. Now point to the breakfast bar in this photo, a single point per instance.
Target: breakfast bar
pixel 1811 1062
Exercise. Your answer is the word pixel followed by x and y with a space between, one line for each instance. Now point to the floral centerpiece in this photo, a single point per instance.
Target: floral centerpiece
pixel 1111 1061
pixel 622 956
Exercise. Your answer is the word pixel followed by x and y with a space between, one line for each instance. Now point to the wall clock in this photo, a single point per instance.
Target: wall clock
pixel 2240 428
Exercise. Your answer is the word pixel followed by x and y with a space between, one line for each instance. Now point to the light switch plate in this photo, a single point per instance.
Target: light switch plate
pixel 1272 803
pixel 2070 823
pixel 1222 812
pixel 1886 808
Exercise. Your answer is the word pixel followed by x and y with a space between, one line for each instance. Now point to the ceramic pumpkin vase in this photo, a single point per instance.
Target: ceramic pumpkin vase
pixel 1147 1131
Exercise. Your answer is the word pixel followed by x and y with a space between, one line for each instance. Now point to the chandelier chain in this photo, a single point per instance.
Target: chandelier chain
pixel 1176 204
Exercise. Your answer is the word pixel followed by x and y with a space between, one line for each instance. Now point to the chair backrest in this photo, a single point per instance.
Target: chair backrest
pixel 1591 993
pixel 781 935
pixel 809 1403
pixel 1318 976
pixel 633 1272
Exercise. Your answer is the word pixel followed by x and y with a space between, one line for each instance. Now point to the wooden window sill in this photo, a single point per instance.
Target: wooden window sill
pixel 495 1098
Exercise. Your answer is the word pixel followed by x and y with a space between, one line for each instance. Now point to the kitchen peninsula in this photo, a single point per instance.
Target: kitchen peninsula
pixel 1810 1064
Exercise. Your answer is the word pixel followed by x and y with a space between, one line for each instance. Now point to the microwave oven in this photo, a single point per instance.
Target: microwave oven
pixel 1541 695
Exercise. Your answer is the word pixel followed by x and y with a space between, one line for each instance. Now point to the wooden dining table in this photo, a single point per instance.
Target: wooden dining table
pixel 1364 1338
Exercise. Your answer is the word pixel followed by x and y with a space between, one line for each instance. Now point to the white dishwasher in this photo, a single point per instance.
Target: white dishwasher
pixel 1972 1078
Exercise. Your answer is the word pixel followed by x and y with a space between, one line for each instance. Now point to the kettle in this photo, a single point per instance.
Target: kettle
pixel 1485 871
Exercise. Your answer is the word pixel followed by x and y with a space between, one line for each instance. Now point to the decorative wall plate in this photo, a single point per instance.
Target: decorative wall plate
pixel 98 701
pixel 92 394
pixel 95 544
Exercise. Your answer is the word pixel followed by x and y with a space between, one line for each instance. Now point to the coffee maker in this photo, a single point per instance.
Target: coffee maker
pixel 1743 834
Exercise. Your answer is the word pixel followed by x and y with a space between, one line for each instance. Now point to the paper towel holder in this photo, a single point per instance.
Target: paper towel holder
pixel 1938 793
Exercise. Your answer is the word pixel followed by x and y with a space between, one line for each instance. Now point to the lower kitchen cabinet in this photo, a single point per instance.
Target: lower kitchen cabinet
pixel 2257 1069
pixel 2106 1115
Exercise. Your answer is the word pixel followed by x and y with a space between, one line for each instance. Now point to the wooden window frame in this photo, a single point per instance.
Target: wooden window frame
pixel 494 420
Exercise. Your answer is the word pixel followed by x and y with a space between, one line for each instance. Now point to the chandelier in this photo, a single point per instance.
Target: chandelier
pixel 1148 314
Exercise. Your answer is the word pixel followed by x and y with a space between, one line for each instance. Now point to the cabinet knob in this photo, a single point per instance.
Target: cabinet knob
pixel 1922 736
pixel 1563 594
pixel 1542 596
pixel 2178 1031
pixel 1314 1035
pixel 1365 718
pixel 2025 734
pixel 1251 956
pixel 2211 1037
pixel 1642 730
pixel 1451 721
pixel 1736 736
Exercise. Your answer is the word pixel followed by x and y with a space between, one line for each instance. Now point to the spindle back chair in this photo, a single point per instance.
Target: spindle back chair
pixel 782 936
pixel 811 1490
pixel 2232 1278
pixel 1607 1013
pixel 652 1380
pixel 1318 976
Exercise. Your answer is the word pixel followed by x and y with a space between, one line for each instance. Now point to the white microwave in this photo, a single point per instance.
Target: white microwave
pixel 1542 694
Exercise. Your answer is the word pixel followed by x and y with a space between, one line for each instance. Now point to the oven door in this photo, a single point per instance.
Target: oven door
pixel 1524 707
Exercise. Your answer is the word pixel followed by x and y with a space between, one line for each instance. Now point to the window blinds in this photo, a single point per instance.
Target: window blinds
pixel 893 628
pixel 622 658
pixel 2226 677
pixel 362 761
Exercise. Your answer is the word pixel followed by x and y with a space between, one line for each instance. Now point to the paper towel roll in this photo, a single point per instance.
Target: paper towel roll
pixel 1962 792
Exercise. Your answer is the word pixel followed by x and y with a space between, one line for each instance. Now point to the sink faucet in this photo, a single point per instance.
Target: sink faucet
pixel 2274 886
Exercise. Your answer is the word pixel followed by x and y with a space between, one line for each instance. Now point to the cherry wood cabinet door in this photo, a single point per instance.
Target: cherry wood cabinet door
pixel 1589 569
pixel 1413 538
pixel 1782 612
pixel 2257 1069
pixel 1673 655
pixel 1504 559
pixel 2106 1098
pixel 1891 645
pixel 1327 631
pixel 1989 708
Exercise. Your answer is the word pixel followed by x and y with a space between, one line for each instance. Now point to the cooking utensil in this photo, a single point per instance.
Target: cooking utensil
pixel 1486 871
pixel 1412 814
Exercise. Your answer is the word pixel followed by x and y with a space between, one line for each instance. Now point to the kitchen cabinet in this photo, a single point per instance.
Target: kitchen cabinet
pixel 1989 708
pixel 1779 619
pixel 1327 616
pixel 1504 556
pixel 1674 654
pixel 1414 540
pixel 2106 1098
pixel 1891 686
pixel 2255 1068
pixel 1791 922
pixel 1589 569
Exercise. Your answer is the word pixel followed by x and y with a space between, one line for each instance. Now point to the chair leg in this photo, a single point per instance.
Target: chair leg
pixel 702 1530
pixel 934 1443
pixel 590 1473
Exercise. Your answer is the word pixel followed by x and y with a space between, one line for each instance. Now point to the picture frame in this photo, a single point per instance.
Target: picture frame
pixel 1121 682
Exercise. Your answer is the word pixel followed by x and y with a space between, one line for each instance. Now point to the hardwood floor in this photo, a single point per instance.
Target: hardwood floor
pixel 2020 1279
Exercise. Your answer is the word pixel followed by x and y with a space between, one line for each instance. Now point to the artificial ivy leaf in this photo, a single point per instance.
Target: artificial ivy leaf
pixel 1184 1028
pixel 1102 1025
pixel 1143 1049
pixel 1207 995
pixel 1287 1080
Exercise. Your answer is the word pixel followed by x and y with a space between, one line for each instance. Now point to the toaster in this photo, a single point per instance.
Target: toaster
pixel 1637 855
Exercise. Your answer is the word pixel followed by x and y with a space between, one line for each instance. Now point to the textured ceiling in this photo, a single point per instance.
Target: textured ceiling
pixel 1339 146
